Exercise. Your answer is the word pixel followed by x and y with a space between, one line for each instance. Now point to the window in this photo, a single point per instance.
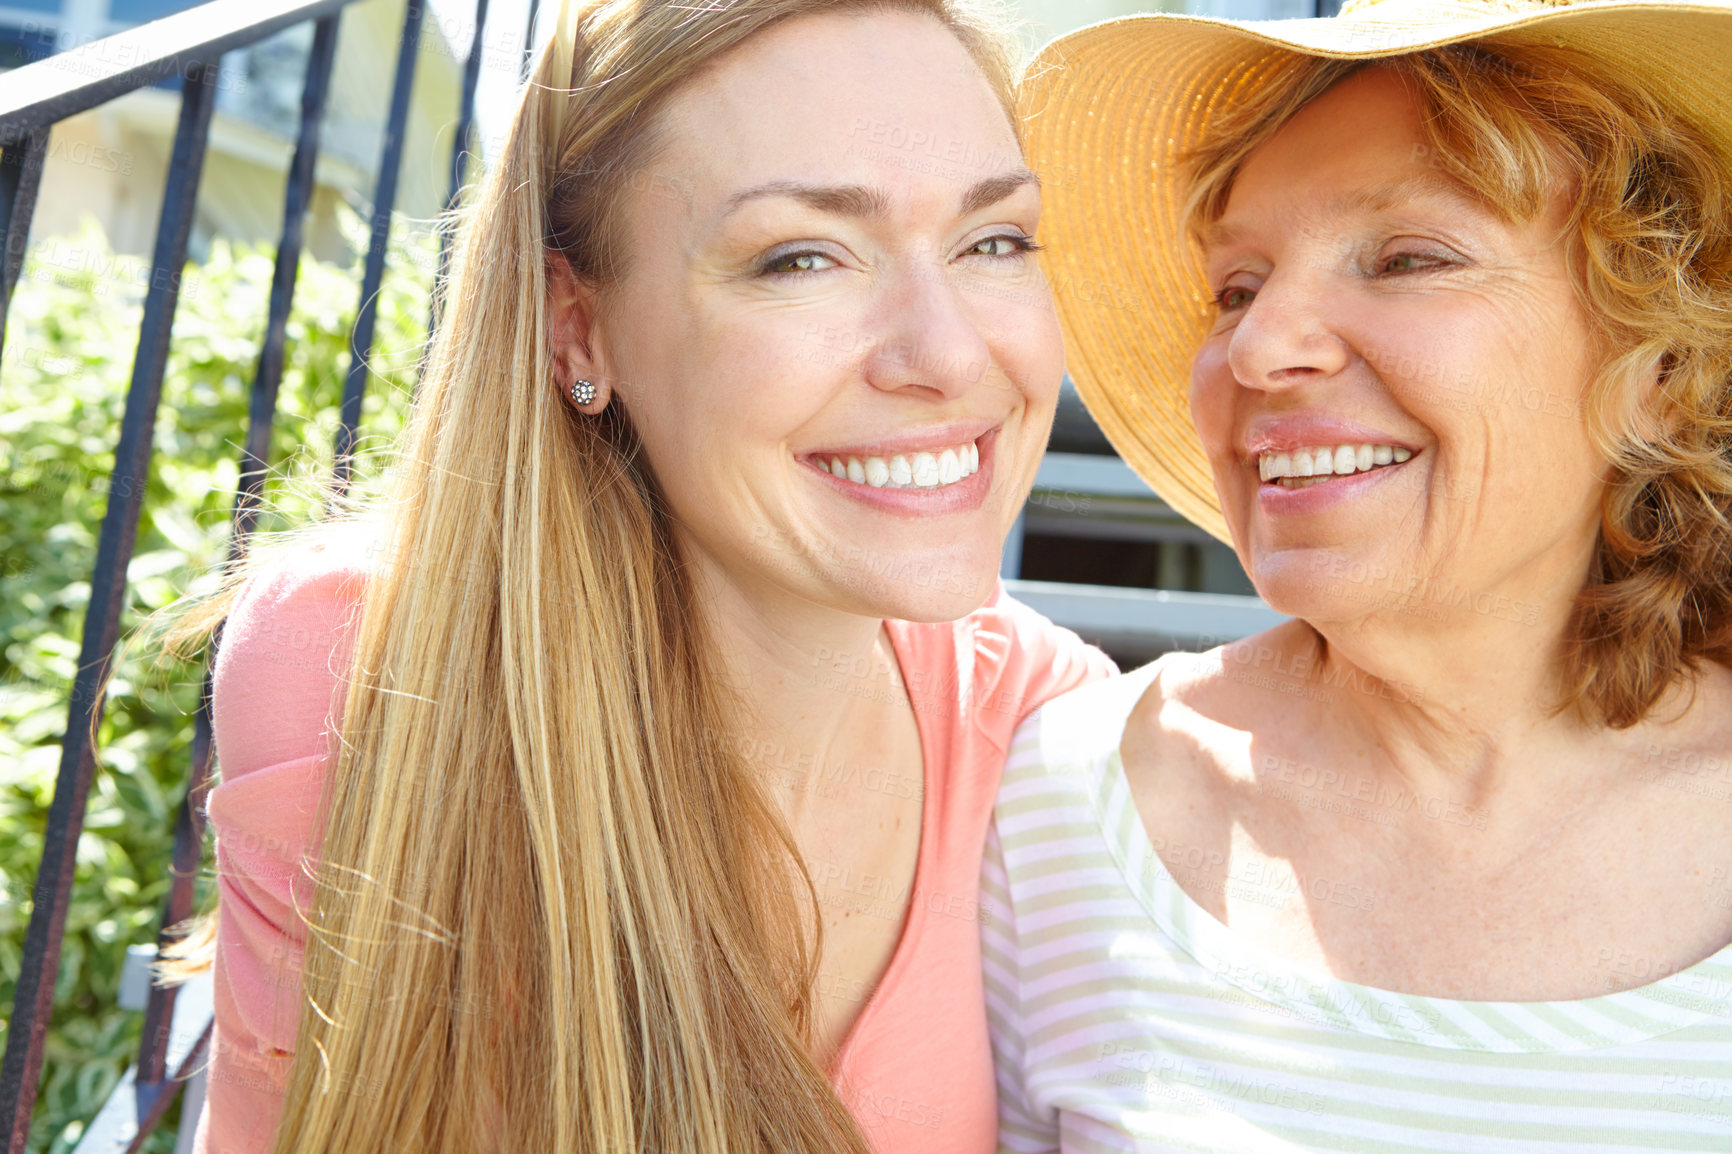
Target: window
pixel 141 11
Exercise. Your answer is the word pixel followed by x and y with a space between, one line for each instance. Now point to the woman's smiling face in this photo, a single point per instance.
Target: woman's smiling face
pixel 830 271
pixel 1381 328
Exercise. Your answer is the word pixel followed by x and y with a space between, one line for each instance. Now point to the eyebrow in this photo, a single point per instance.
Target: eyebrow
pixel 996 188
pixel 837 199
pixel 858 200
pixel 1377 198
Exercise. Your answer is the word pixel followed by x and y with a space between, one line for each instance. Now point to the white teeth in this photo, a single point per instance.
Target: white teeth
pixel 1329 461
pixel 926 470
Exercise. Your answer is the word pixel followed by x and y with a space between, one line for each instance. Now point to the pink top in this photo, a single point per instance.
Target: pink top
pixel 915 1067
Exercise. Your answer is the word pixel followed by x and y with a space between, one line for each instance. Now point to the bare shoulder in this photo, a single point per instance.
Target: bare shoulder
pixel 1191 742
pixel 1218 699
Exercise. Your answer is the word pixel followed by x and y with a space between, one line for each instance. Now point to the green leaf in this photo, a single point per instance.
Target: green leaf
pixel 70 341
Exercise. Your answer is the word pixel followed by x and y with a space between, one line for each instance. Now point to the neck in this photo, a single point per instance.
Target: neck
pixel 815 683
pixel 1460 708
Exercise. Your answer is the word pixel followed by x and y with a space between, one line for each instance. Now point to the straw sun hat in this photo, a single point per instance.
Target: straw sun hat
pixel 1110 109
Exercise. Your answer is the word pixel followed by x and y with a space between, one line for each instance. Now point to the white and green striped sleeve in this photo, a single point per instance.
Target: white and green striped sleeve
pixel 1021 1127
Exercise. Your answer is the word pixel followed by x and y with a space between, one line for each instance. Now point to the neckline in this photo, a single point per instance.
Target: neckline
pixel 908 938
pixel 1697 994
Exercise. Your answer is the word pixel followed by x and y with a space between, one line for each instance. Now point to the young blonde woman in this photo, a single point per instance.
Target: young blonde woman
pixel 1444 863
pixel 618 781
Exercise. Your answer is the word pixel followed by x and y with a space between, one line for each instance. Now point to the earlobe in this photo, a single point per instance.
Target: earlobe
pixel 570 328
pixel 589 396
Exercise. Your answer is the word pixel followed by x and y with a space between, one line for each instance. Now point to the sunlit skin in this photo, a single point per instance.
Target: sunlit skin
pixel 1427 324
pixel 799 284
pixel 1362 298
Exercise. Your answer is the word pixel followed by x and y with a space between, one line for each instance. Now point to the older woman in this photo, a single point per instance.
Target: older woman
pixel 619 782
pixel 1445 863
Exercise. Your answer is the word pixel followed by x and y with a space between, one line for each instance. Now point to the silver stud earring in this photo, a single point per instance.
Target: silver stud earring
pixel 583 392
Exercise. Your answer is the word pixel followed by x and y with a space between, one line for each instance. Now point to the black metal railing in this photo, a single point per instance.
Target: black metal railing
pixel 36 97
pixel 33 99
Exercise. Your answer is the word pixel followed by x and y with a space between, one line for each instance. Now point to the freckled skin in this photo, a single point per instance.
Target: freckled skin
pixel 1383 790
pixel 1454 331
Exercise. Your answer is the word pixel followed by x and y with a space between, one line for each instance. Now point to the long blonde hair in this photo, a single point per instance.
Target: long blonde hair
pixel 629 907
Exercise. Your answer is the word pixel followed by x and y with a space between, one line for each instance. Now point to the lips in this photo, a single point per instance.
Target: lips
pixel 1293 468
pixel 913 470
pixel 921 486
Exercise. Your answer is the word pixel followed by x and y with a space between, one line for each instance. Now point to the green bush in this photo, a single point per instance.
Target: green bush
pixel 68 360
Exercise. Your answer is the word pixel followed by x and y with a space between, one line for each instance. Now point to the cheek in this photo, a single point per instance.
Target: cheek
pixel 1021 330
pixel 1034 336
pixel 1212 389
pixel 1544 455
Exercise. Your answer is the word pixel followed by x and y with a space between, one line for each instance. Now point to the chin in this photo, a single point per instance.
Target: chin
pixel 1323 584
pixel 921 588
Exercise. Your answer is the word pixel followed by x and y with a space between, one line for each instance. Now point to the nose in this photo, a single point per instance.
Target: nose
pixel 931 341
pixel 1284 338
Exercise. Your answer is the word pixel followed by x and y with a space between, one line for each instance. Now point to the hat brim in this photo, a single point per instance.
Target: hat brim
pixel 1110 109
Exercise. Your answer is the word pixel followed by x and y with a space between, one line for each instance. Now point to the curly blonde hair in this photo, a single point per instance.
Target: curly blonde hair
pixel 1649 240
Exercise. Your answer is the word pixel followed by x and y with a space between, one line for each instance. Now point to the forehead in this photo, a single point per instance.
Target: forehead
pixel 885 98
pixel 1366 128
pixel 1361 150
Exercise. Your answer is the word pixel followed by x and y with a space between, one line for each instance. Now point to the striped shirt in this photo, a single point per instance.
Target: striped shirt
pixel 1125 1017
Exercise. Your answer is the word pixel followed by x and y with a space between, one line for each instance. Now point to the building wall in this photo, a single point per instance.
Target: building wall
pixel 111 163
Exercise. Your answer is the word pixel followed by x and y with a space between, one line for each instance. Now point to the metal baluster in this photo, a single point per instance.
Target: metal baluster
pixel 297 197
pixel 459 153
pixel 22 1066
pixel 20 177
pixel 384 198
pixel 189 821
